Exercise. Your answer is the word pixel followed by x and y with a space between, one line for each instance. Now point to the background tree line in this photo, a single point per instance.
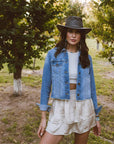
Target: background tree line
pixel 102 24
pixel 28 28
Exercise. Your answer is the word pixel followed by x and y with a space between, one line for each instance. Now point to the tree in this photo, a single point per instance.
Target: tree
pixel 25 32
pixel 75 9
pixel 103 26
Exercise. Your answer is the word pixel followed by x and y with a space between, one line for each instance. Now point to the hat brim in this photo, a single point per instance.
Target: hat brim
pixel 85 30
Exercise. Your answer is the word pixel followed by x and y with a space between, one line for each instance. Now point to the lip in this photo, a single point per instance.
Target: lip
pixel 73 40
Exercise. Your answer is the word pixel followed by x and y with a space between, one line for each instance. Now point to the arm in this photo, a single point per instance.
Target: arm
pixel 93 89
pixel 46 85
pixel 41 129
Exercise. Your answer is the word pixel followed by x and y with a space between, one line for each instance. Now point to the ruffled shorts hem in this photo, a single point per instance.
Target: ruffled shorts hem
pixel 69 132
pixel 67 129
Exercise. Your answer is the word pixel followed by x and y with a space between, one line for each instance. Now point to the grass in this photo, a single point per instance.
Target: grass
pixel 30 80
pixel 12 128
pixel 26 133
pixel 16 133
pixel 104 84
pixel 107 122
pixel 5 78
pixel 5 120
pixel 96 140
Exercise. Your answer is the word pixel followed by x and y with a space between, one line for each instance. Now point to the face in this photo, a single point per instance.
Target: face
pixel 73 37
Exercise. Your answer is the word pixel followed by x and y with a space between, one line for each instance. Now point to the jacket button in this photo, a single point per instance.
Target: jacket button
pixel 78 83
pixel 79 72
pixel 66 82
pixel 77 94
pixel 66 93
pixel 65 71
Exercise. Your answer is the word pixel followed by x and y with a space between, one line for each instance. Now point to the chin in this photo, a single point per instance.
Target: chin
pixel 73 44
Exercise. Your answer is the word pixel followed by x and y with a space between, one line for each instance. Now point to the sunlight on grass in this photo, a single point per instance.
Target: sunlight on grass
pixel 96 140
pixel 34 81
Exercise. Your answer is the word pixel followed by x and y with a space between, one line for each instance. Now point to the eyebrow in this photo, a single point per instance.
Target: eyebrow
pixel 76 30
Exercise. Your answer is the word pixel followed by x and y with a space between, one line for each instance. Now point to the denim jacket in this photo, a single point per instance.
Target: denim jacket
pixel 55 80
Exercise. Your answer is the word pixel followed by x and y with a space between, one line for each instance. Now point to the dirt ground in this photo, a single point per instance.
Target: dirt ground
pixel 17 105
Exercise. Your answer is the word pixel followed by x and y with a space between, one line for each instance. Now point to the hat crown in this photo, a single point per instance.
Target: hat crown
pixel 74 21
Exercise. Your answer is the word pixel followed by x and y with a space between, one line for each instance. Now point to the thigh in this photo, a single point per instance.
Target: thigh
pixel 48 138
pixel 81 138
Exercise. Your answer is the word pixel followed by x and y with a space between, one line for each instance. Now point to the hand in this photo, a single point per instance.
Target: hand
pixel 97 129
pixel 41 129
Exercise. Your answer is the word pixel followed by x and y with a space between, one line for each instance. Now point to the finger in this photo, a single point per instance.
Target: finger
pixel 39 135
pixel 42 131
pixel 99 130
pixel 95 131
pixel 39 132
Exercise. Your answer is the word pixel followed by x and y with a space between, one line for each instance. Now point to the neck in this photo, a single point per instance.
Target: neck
pixel 72 48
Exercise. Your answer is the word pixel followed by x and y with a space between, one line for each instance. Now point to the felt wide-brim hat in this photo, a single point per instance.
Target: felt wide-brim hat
pixel 74 22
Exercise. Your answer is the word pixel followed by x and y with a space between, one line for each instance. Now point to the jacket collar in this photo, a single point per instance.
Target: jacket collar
pixel 64 50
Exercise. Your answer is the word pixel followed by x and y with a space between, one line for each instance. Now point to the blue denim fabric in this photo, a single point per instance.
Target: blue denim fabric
pixel 55 81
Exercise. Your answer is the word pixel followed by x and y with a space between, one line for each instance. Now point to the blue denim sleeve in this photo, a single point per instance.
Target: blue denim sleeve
pixel 93 89
pixel 46 85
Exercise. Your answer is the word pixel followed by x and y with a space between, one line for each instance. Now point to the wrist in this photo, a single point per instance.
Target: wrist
pixel 97 115
pixel 43 115
pixel 97 118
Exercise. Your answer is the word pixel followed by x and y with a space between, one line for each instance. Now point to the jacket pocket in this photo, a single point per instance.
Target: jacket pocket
pixel 57 66
pixel 57 63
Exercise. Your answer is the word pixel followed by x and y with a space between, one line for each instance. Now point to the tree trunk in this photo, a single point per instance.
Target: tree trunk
pixel 34 62
pixel 97 44
pixel 102 46
pixel 17 81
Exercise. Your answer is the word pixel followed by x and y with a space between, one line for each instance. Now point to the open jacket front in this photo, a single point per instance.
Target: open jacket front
pixel 55 79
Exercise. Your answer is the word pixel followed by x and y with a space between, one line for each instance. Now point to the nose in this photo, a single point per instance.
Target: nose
pixel 73 34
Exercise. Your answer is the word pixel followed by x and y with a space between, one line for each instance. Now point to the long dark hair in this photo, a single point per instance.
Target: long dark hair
pixel 84 60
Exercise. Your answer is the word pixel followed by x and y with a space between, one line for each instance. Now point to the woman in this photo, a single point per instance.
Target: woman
pixel 68 75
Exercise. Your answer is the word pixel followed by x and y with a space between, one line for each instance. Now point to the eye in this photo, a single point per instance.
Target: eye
pixel 75 31
pixel 70 30
pixel 78 31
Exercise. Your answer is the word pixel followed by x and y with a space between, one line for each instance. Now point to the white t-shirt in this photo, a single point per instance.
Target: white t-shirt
pixel 73 66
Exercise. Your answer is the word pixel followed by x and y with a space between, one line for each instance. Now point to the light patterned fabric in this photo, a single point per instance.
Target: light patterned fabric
pixel 67 116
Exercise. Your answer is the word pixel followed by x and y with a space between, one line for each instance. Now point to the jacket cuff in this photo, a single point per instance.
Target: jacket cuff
pixel 98 110
pixel 44 107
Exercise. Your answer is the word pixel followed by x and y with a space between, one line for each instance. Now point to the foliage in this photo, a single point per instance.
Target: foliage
pixel 102 27
pixel 26 30
pixel 75 9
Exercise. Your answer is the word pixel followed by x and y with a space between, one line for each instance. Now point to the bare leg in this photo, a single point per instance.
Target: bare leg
pixel 48 138
pixel 81 138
